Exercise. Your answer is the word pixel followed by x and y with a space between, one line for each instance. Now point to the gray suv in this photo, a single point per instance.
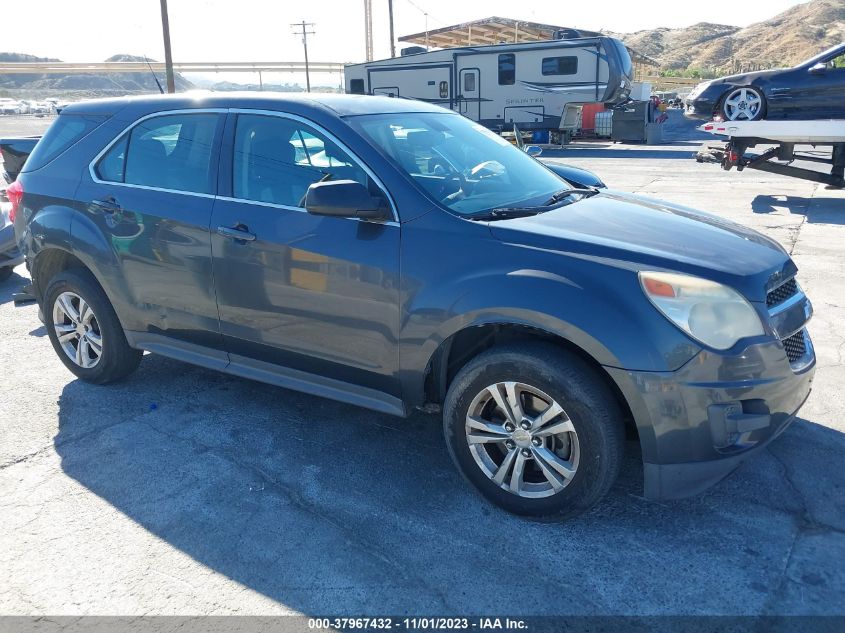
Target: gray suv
pixel 392 254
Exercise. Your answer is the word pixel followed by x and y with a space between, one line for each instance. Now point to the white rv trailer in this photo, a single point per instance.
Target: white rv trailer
pixel 537 85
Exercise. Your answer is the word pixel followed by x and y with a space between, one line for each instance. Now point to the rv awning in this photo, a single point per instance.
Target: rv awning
pixel 496 30
pixel 493 30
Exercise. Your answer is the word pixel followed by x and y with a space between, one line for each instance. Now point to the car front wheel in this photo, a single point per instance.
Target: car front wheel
pixel 535 429
pixel 743 104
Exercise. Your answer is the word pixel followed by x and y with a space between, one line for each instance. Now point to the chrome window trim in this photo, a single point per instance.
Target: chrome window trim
pixel 285 207
pixel 333 139
pixel 93 172
pixel 286 115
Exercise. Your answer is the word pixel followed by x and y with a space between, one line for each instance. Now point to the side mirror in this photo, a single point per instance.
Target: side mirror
pixel 344 199
pixel 533 150
pixel 818 69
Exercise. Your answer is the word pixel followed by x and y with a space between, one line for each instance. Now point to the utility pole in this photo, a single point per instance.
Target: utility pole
pixel 390 13
pixel 305 33
pixel 368 29
pixel 168 58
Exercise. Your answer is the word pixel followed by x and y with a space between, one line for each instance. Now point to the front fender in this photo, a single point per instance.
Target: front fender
pixel 616 328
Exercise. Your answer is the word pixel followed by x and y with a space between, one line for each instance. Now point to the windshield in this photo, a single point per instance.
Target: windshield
pixel 821 57
pixel 459 163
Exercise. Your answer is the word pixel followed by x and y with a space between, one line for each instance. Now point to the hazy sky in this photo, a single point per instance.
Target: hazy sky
pixel 259 30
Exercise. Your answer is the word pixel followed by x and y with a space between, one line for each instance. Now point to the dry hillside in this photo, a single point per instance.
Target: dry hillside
pixel 784 40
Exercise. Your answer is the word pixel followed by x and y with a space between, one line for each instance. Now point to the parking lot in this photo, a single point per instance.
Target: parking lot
pixel 185 491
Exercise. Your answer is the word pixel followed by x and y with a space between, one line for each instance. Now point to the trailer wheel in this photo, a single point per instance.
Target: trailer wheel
pixel 743 104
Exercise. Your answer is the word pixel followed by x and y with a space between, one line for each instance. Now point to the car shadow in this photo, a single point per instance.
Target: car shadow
pixel 327 508
pixel 10 286
pixel 817 209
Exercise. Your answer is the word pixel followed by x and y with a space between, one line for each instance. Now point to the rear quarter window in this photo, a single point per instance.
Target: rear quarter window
pixel 66 131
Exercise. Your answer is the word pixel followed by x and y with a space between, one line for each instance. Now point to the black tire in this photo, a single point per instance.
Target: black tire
pixel 586 400
pixel 117 360
pixel 760 113
pixel 5 273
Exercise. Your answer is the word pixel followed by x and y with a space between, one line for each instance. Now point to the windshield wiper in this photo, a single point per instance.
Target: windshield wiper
pixel 505 213
pixel 563 193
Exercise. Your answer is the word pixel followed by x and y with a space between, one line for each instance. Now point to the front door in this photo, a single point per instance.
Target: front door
pixel 297 291
pixel 470 87
pixel 826 89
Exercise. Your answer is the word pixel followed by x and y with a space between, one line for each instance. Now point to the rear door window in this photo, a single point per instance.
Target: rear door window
pixel 65 132
pixel 171 152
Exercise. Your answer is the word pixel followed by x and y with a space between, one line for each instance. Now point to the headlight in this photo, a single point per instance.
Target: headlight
pixel 699 89
pixel 714 314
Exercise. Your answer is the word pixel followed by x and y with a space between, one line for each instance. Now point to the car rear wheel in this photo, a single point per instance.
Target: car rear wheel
pixel 85 331
pixel 535 429
pixel 743 104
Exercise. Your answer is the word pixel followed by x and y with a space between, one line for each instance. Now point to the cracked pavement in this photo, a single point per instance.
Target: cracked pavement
pixel 184 491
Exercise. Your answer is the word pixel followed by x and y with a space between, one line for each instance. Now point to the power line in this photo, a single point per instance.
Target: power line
pixel 305 33
pixel 424 12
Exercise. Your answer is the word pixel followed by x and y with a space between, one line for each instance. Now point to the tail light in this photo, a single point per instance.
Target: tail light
pixel 15 194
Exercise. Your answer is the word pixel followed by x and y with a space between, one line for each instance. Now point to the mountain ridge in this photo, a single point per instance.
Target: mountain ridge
pixel 783 40
pixel 786 39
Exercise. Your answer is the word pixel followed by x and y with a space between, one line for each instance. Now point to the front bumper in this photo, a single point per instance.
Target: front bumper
pixel 702 109
pixel 698 423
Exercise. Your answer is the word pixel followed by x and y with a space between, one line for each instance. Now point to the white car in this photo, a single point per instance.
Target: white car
pixel 9 106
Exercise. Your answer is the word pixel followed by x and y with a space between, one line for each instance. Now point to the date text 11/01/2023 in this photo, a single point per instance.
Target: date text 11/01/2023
pixel 417 624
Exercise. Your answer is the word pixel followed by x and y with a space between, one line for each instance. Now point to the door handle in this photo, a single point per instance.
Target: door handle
pixel 239 232
pixel 107 205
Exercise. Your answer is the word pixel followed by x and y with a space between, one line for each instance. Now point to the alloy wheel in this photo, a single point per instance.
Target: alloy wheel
pixel 522 439
pixel 743 104
pixel 77 330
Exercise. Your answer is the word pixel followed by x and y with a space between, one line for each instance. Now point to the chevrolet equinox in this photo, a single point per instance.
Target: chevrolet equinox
pixel 392 254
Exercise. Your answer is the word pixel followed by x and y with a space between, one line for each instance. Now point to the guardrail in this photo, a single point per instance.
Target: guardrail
pixel 13 68
pixel 29 115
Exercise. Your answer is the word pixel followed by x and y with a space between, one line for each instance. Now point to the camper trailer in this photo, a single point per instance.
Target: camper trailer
pixel 537 85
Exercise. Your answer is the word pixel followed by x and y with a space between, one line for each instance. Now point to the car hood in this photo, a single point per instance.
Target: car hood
pixel 642 233
pixel 746 78
pixel 576 175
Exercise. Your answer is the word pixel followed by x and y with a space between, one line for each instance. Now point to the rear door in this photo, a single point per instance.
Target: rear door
pixel 297 291
pixel 151 194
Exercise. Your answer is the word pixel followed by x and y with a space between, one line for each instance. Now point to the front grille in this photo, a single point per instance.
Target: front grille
pixel 781 293
pixel 795 346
